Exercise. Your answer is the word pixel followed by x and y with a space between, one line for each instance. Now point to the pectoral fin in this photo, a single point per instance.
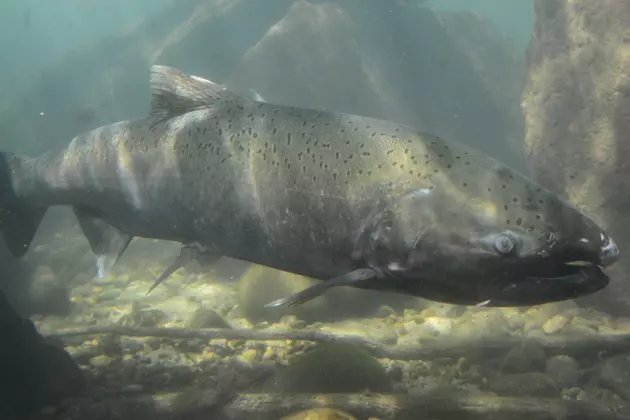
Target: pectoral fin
pixel 352 278
pixel 188 253
pixel 107 242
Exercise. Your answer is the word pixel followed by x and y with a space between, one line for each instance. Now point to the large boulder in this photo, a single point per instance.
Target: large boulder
pixel 397 61
pixel 576 103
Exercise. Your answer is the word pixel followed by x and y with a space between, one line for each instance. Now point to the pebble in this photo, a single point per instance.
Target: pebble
pixel 385 311
pixel 555 324
pixel 100 361
pixel 250 355
pixel 108 295
pixel 320 414
pixel 440 325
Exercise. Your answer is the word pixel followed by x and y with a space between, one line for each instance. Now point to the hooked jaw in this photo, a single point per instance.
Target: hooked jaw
pixel 585 277
pixel 609 252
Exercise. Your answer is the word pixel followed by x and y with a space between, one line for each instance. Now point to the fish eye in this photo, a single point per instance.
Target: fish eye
pixel 504 244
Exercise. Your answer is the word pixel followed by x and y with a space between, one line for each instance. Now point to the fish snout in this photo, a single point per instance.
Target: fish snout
pixel 609 252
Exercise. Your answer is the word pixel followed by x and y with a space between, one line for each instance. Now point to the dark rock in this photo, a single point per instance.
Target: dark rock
pixel 261 285
pixel 614 374
pixel 563 370
pixel 331 368
pixel 533 384
pixel 526 357
pixel 34 373
pixel 207 318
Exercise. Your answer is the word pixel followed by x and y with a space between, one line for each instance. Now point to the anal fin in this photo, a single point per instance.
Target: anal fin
pixel 352 278
pixel 189 252
pixel 107 242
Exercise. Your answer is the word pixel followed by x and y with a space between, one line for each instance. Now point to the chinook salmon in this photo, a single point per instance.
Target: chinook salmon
pixel 344 199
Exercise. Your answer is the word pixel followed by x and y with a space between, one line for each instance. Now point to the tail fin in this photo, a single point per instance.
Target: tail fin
pixel 19 220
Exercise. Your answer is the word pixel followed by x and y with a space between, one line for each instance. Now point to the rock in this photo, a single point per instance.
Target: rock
pixel 475 324
pixel 575 101
pixel 132 389
pixel 533 384
pixel 563 370
pixel 48 294
pixel 207 318
pixel 614 374
pixel 261 285
pixel 331 368
pixel 352 302
pixel 100 362
pixel 555 324
pixel 523 358
pixel 385 311
pixel 35 373
pixel 108 295
pixel 144 318
pixel 173 309
pixel 320 414
pixel 440 325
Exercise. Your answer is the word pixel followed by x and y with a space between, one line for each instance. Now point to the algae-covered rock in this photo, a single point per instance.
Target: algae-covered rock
pixel 563 370
pixel 261 285
pixel 320 414
pixel 331 368
pixel 207 318
pixel 575 102
pixel 525 357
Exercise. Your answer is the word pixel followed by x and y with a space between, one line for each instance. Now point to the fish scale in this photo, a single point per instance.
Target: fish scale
pixel 349 200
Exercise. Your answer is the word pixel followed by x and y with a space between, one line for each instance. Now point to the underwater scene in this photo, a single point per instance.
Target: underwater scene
pixel 315 210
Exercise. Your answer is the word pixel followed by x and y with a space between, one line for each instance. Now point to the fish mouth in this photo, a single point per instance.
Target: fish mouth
pixel 607 255
pixel 608 252
pixel 585 278
pixel 579 278
pixel 584 271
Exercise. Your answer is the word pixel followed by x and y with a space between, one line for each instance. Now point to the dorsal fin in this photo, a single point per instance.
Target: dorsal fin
pixel 175 93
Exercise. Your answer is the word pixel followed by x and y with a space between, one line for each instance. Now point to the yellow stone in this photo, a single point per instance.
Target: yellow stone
pixel 320 414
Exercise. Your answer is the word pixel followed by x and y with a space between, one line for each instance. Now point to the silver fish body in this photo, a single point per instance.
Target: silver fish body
pixel 341 198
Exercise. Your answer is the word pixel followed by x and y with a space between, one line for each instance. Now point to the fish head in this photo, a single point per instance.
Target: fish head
pixel 522 247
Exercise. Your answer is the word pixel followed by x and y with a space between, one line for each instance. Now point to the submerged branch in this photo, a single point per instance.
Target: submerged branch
pixel 436 348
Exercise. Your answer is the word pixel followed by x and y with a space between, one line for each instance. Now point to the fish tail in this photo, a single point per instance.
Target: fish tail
pixel 19 219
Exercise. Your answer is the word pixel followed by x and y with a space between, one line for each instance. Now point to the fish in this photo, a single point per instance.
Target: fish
pixel 344 199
